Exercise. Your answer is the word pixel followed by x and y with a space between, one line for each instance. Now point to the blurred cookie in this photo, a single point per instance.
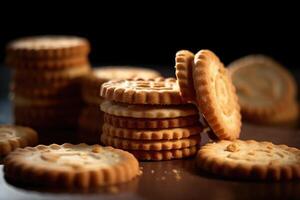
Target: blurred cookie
pixel 13 137
pixel 47 47
pixel 216 98
pixel 250 160
pixel 71 166
pixel 160 91
pixel 263 85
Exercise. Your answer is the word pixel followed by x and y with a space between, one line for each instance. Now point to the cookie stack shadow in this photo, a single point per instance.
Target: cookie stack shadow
pixel 45 80
pixel 149 119
pixel 91 117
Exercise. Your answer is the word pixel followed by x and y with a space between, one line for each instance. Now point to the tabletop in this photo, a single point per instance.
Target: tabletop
pixel 178 179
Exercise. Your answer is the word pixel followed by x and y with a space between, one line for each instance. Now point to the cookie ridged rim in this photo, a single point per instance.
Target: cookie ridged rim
pixel 30 172
pixel 121 91
pixel 209 160
pixel 156 134
pixel 29 137
pixel 142 123
pixel 165 154
pixel 148 111
pixel 205 96
pixel 150 145
pixel 278 106
pixel 184 61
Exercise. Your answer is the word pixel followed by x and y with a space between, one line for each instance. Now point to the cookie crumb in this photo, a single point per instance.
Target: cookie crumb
pixel 232 147
pixel 152 171
pixel 163 178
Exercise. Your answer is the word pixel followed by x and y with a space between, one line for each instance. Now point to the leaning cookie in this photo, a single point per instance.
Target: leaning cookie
pixel 250 160
pixel 160 91
pixel 12 137
pixel 184 62
pixel 71 166
pixel 216 97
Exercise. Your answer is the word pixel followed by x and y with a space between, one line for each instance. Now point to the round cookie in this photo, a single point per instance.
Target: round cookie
pixel 250 160
pixel 71 166
pixel 148 111
pixel 165 154
pixel 154 134
pixel 47 47
pixel 92 82
pixel 150 145
pixel 216 98
pixel 13 137
pixel 162 91
pixel 263 85
pixel 184 62
pixel 144 123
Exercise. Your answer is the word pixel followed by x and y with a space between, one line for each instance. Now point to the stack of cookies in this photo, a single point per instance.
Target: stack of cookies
pixel 149 118
pixel 45 80
pixel 91 118
pixel 267 91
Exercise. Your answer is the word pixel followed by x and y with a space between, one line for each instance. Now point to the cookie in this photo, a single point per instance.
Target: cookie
pixel 91 118
pixel 68 88
pixel 148 145
pixel 165 154
pixel 48 47
pixel 49 76
pixel 92 81
pixel 184 62
pixel 143 91
pixel 22 101
pixel 148 134
pixel 44 117
pixel 148 111
pixel 286 118
pixel 48 64
pixel 13 137
pixel 263 85
pixel 143 123
pixel 71 166
pixel 216 98
pixel 250 160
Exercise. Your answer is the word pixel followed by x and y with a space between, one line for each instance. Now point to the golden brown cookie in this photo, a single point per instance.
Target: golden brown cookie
pixel 91 82
pixel 13 137
pixel 287 118
pixel 184 62
pixel 71 166
pixel 148 145
pixel 144 123
pixel 154 134
pixel 41 76
pixel 215 96
pixel 263 85
pixel 250 160
pixel 148 111
pixel 44 117
pixel 91 119
pixel 48 47
pixel 165 154
pixel 46 64
pixel 160 91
